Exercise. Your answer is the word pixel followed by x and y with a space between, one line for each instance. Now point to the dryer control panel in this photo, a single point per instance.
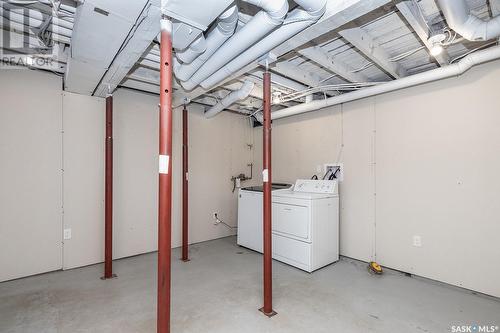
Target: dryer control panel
pixel 316 186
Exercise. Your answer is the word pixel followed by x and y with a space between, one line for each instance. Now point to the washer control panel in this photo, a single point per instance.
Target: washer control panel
pixel 316 186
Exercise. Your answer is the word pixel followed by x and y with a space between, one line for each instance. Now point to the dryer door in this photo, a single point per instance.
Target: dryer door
pixel 291 220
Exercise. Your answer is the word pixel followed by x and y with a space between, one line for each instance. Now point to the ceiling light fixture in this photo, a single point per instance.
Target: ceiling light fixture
pixel 436 41
pixel 436 50
pixel 276 97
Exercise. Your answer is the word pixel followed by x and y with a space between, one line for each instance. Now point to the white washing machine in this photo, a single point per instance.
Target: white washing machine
pixel 250 203
pixel 305 223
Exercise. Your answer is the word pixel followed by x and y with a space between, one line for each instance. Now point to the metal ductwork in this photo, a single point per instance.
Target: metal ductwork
pixel 195 49
pixel 457 69
pixel 296 21
pixel 191 18
pixel 271 16
pixel 222 31
pixel 196 13
pixel 100 28
pixel 313 7
pixel 230 99
pixel 460 19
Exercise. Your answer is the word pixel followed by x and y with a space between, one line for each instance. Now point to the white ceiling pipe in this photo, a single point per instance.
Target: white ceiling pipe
pixel 33 22
pixel 266 20
pixel 460 19
pixel 230 99
pixel 459 68
pixel 297 21
pixel 223 30
pixel 256 91
pixel 259 82
pixel 275 78
pixel 35 14
pixel 195 49
pixel 313 7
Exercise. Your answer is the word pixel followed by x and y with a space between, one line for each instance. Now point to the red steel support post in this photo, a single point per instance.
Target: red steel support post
pixel 185 189
pixel 267 309
pixel 165 179
pixel 108 192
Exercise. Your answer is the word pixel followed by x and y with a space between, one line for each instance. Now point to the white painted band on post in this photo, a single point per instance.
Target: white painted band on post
pixel 166 25
pixel 265 175
pixel 163 164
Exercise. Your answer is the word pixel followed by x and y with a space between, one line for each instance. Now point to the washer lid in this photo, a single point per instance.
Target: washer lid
pixel 274 187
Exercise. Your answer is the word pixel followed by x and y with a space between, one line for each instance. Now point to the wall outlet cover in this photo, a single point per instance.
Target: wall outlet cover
pixel 417 241
pixel 340 173
pixel 67 233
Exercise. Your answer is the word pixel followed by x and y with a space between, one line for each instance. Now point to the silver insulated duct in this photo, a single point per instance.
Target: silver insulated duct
pixel 460 19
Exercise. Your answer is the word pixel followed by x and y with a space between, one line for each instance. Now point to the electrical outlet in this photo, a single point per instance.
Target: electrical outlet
pixel 417 241
pixel 67 234
pixel 216 218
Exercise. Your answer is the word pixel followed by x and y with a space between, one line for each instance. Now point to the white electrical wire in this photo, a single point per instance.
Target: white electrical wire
pixel 405 54
pixel 255 112
pixel 219 221
pixel 324 88
pixel 396 58
pixel 362 68
pixel 451 37
pixel 472 51
pixel 328 78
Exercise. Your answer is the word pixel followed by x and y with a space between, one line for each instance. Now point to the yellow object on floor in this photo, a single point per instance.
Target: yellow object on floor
pixel 375 268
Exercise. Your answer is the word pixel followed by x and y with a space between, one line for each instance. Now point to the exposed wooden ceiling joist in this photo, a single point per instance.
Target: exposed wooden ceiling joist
pixel 337 14
pixel 412 15
pixel 336 66
pixel 366 44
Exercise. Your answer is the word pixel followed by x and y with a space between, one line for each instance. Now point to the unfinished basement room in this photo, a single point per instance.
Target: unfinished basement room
pixel 250 166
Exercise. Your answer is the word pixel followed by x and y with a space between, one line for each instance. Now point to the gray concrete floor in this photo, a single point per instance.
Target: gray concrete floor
pixel 219 290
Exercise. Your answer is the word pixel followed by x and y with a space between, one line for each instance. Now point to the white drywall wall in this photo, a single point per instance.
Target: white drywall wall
pixel 135 184
pixel 30 173
pixel 33 150
pixel 83 157
pixel 438 156
pixel 419 162
pixel 218 149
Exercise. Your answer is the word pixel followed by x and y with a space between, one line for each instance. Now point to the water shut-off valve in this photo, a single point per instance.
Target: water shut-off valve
pixel 241 177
